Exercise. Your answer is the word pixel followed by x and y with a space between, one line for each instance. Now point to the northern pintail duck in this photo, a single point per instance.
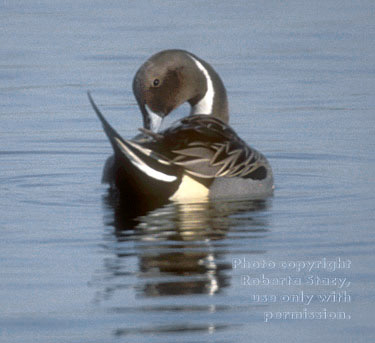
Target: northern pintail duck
pixel 199 156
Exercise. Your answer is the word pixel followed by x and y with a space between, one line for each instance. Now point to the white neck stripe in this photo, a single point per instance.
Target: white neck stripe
pixel 155 119
pixel 204 106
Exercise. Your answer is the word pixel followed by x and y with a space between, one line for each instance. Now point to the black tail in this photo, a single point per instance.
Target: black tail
pixel 108 129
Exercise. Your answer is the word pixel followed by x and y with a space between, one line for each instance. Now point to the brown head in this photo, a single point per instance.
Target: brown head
pixel 170 78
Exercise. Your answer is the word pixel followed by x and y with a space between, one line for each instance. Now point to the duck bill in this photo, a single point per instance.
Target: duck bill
pixel 151 120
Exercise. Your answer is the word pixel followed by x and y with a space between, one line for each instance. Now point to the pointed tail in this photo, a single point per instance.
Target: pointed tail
pixel 108 129
pixel 141 158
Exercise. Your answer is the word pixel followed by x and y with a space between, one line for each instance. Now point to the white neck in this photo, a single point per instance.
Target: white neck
pixel 205 105
pixel 155 119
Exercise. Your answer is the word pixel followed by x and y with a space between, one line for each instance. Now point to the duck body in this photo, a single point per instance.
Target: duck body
pixel 197 157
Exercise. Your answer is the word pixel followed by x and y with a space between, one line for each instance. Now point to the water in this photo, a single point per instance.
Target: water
pixel 75 268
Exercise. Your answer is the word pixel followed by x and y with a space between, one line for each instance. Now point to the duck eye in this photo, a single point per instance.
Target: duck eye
pixel 156 82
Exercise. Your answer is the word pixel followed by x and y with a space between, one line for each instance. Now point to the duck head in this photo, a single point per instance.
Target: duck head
pixel 170 78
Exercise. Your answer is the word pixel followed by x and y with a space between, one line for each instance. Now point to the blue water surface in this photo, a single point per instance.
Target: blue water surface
pixel 74 267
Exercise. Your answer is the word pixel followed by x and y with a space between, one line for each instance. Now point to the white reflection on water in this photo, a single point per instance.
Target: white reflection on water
pixel 175 251
pixel 300 81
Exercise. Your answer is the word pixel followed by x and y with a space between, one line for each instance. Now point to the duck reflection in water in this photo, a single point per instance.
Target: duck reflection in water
pixel 197 157
pixel 177 245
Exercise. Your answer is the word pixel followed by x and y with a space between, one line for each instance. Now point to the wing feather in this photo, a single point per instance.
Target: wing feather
pixel 206 147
